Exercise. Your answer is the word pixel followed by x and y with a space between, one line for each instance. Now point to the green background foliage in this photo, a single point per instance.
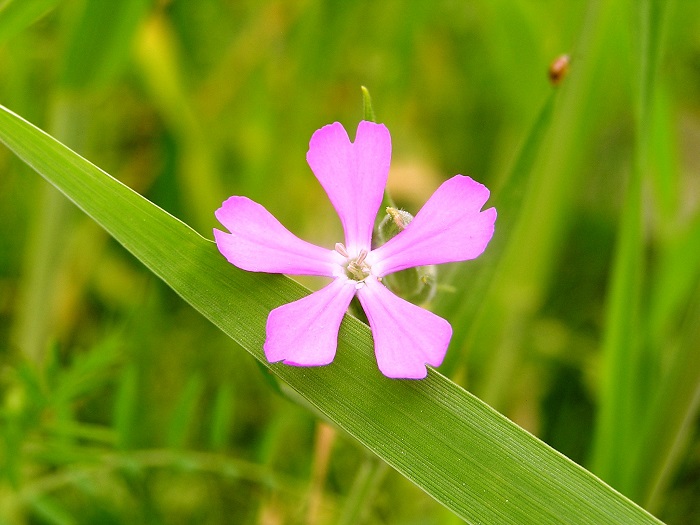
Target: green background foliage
pixel 122 404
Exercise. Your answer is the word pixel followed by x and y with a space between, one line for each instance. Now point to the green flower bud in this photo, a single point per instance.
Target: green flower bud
pixel 417 284
pixel 394 223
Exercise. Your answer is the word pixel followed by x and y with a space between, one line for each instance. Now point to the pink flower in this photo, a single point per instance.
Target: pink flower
pixel 450 227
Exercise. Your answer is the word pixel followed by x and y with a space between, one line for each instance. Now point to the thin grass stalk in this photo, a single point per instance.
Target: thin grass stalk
pixel 623 392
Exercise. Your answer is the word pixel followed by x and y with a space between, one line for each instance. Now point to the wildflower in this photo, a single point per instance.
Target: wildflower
pixel 450 227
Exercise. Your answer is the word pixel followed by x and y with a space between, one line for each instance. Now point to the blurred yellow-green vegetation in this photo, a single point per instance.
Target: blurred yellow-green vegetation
pixel 121 404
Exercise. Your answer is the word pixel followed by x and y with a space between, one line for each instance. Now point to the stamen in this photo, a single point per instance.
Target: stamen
pixel 356 269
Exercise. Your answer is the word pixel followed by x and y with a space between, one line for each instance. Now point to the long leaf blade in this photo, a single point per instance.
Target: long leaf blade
pixel 455 447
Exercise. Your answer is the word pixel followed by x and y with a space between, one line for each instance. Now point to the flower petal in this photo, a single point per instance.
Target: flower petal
pixel 353 174
pixel 305 332
pixel 406 337
pixel 450 227
pixel 259 243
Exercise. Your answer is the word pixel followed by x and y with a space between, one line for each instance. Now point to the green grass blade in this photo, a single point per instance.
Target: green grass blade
pixel 184 415
pixel 157 55
pixel 101 42
pixel 469 307
pixel 456 448
pixel 665 433
pixel 624 393
pixel 125 407
pixel 620 395
pixel 51 511
pixel 16 15
pixel 221 417
pixel 496 336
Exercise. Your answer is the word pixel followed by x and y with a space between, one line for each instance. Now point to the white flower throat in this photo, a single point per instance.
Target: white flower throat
pixel 356 268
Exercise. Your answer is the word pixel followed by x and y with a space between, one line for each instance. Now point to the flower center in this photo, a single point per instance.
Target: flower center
pixel 356 268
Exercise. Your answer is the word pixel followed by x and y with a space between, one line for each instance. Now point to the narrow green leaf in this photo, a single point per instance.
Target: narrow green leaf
pixel 620 394
pixel 221 417
pixel 367 481
pixel 101 42
pixel 87 372
pixel 508 201
pixel 16 15
pixel 456 448
pixel 125 405
pixel 161 67
pixel 51 511
pixel 664 433
pixel 494 332
pixel 624 394
pixel 184 412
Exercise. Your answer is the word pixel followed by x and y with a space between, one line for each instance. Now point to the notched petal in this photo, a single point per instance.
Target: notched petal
pixel 450 227
pixel 406 337
pixel 258 242
pixel 353 174
pixel 305 332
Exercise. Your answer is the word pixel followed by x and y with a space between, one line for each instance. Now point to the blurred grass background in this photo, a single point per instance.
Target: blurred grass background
pixel 581 322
